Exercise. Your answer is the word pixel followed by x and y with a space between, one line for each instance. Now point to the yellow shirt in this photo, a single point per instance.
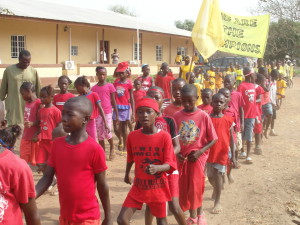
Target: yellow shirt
pixel 239 75
pixel 185 69
pixel 178 58
pixel 206 83
pixel 219 78
pixel 291 72
pixel 212 77
pixel 195 58
pixel 199 100
pixel 281 86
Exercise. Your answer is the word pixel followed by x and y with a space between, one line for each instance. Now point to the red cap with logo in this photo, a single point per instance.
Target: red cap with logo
pixel 122 66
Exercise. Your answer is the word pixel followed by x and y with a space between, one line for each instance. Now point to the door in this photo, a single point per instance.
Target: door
pixel 104 52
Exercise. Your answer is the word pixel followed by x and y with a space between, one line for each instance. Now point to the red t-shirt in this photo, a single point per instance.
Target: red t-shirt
pixel 139 94
pixel 75 168
pixel 104 93
pixel 94 98
pixel 235 103
pixel 30 114
pixel 146 82
pixel 231 113
pixel 49 118
pixel 195 130
pixel 16 187
pixel 171 109
pixel 123 95
pixel 206 108
pixel 144 150
pixel 165 84
pixel 259 92
pixel 249 95
pixel 266 96
pixel 60 99
pixel 218 153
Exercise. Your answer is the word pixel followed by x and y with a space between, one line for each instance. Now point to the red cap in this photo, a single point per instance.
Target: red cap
pixel 147 102
pixel 122 66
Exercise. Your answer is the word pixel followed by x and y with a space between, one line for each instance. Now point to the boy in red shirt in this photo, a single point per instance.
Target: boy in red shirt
pixel 197 135
pixel 79 165
pixel 206 96
pixel 139 92
pixel 152 152
pixel 218 154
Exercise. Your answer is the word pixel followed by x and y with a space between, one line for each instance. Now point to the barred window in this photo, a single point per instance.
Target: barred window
pixel 159 53
pixel 135 51
pixel 17 45
pixel 183 51
pixel 74 50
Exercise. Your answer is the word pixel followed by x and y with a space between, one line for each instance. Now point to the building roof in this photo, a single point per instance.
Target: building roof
pixel 65 13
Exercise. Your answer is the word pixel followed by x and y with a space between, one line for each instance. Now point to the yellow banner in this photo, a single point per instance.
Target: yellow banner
pixel 245 35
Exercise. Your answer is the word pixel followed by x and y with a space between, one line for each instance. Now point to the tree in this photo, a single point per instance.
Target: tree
pixel 185 25
pixel 122 10
pixel 4 11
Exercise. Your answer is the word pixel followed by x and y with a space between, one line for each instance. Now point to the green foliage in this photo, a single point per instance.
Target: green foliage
pixel 4 11
pixel 110 79
pixel 185 25
pixel 122 10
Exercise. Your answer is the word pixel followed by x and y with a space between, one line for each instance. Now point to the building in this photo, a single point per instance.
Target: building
pixel 56 34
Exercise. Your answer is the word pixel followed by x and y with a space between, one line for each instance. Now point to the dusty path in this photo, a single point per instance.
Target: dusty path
pixel 261 192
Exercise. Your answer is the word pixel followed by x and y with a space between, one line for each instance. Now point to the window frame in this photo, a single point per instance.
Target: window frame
pixel 19 45
pixel 159 53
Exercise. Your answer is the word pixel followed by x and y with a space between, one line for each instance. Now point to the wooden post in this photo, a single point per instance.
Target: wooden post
pixel 56 61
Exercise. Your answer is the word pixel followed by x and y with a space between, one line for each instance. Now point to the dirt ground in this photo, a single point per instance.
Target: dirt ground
pixel 266 192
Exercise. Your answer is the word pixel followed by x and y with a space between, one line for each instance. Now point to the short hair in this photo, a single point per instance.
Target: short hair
pixel 230 76
pixel 86 103
pixel 222 90
pixel 218 95
pixel 178 80
pixel 262 70
pixel 207 90
pixel 25 53
pixel 100 68
pixel 163 65
pixel 189 89
pixel 9 135
pixel 154 88
pixel 259 77
pixel 49 90
pixel 247 70
pixel 27 86
pixel 274 72
pixel 65 77
pixel 82 81
pixel 137 80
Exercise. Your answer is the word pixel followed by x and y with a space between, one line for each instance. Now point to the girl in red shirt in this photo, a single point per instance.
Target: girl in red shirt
pixel 146 79
pixel 60 98
pixel 163 80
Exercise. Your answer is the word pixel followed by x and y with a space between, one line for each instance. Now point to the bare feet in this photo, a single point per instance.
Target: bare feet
pixel 213 196
pixel 266 134
pixel 230 179
pixel 217 209
pixel 272 133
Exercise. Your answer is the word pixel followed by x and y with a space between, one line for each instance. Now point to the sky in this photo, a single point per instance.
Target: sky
pixel 163 11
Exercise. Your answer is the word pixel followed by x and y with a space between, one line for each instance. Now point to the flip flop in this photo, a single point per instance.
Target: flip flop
pixel 191 221
pixel 201 220
pixel 217 210
pixel 249 160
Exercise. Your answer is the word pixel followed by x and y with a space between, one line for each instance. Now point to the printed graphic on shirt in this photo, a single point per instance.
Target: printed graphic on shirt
pixel 250 93
pixel 27 113
pixel 188 132
pixel 44 125
pixel 3 203
pixel 120 91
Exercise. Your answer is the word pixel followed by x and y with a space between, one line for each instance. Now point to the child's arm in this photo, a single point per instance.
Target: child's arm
pixel 30 212
pixel 103 192
pixel 232 147
pixel 180 73
pixel 127 178
pixel 194 155
pixel 132 104
pixel 176 145
pixel 114 104
pixel 153 169
pixel 242 119
pixel 45 181
pixel 102 115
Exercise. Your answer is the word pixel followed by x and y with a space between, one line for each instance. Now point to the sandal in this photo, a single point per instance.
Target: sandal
pixel 191 221
pixel 249 160
pixel 257 150
pixel 201 220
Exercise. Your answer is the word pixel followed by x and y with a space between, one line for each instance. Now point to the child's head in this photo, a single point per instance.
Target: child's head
pixel 280 75
pixel 227 95
pixel 217 69
pixel 101 73
pixel 177 85
pixel 63 83
pixel 3 121
pixel 82 84
pixel 197 71
pixel 249 74
pixel 76 113
pixel 229 81
pixel 123 71
pixel 164 68
pixel 263 71
pixel 47 94
pixel 260 79
pixel 137 84
pixel 147 110
pixel 178 53
pixel 187 60
pixel 145 70
pixel 218 102
pixel 189 97
pixel 191 77
pixel 157 94
pixel 9 135
pixel 274 75
pixel 206 95
pixel 27 90
pixel 115 50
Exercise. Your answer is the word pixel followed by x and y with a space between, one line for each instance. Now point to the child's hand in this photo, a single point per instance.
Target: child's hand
pixel 28 124
pixel 117 121
pixel 35 139
pixel 107 128
pixel 127 180
pixel 151 169
pixel 193 156
pixel 180 157
pixel 234 162
pixel 107 222
pixel 132 119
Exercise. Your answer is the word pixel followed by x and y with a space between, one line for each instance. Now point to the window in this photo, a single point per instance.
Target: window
pixel 74 50
pixel 135 51
pixel 159 53
pixel 182 50
pixel 17 45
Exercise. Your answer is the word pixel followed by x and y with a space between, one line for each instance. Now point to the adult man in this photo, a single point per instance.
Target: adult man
pixel 13 78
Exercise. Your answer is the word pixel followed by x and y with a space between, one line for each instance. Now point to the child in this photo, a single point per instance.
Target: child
pixel 146 79
pixel 60 99
pixel 212 78
pixel 164 81
pixel 206 96
pixel 239 75
pixel 150 184
pixel 125 101
pixel 82 86
pixel 219 79
pixel 199 75
pixel 198 86
pixel 178 58
pixel 28 146
pixel 273 98
pixel 187 67
pixel 281 86
pixel 49 117
pixel 139 92
pixel 206 81
pixel 106 93
pixel 218 154
pixel 78 162
pixel 197 135
pixel 176 106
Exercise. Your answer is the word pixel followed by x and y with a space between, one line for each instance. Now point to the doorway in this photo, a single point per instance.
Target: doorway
pixel 104 55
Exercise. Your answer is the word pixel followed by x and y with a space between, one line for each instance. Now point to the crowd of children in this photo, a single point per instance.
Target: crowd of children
pixel 186 129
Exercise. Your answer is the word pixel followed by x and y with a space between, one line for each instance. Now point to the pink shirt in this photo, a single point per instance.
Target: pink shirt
pixel 49 118
pixel 195 130
pixel 104 93
pixel 30 114
pixel 235 103
pixel 171 109
pixel 60 99
pixel 94 98
pixel 16 187
pixel 75 168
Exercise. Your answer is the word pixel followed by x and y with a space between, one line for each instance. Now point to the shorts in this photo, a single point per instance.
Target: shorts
pixel 211 167
pixel 44 151
pixel 157 209
pixel 248 129
pixel 63 221
pixel 101 131
pixel 91 129
pixel 28 151
pixel 274 113
pixel 124 114
pixel 258 127
pixel 267 109
pixel 173 180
